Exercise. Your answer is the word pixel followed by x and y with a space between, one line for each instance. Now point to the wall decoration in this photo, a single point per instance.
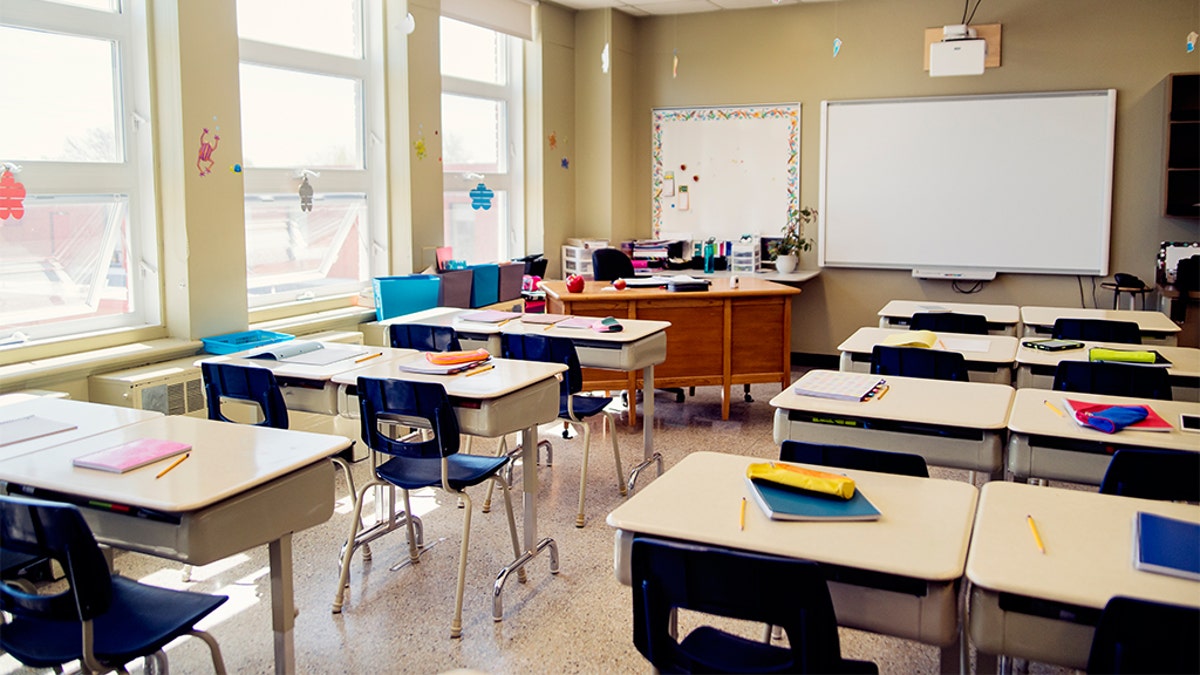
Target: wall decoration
pixel 204 158
pixel 837 46
pixel 1191 41
pixel 306 195
pixel 553 140
pixel 566 164
pixel 12 197
pixel 481 197
pixel 419 144
pixel 235 168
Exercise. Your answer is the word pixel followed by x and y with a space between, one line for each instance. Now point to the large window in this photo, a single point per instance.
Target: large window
pixel 481 142
pixel 312 146
pixel 78 251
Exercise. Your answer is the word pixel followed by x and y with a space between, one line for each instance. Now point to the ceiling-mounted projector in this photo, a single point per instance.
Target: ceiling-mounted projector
pixel 959 53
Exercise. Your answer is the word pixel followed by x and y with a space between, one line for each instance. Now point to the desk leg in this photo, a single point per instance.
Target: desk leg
pixel 649 456
pixel 529 481
pixel 283 617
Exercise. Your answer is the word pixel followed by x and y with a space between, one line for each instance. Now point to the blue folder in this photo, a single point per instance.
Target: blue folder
pixel 1167 546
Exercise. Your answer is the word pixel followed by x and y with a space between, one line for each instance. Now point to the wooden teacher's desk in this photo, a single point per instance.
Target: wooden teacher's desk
pixel 1045 606
pixel 723 336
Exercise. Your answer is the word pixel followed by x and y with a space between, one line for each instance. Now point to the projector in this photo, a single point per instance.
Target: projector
pixel 959 52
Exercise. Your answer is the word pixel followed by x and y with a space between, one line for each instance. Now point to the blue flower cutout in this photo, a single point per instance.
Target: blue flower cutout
pixel 481 197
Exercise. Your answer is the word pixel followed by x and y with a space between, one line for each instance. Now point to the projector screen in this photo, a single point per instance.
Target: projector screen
pixel 996 183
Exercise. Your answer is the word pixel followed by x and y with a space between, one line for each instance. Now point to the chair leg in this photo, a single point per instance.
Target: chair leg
pixel 612 431
pixel 348 550
pixel 359 538
pixel 587 444
pixel 413 554
pixel 456 624
pixel 512 525
pixel 501 449
pixel 218 662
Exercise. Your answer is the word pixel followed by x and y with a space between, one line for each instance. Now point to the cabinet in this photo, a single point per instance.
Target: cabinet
pixel 576 260
pixel 1182 183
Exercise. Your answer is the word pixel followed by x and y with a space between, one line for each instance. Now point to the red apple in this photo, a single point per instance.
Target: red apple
pixel 574 284
pixel 619 284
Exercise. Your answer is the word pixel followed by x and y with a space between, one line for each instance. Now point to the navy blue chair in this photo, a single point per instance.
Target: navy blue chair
pixel 1139 636
pixel 934 364
pixel 846 457
pixel 101 619
pixel 1097 330
pixel 414 462
pixel 670 575
pixel 609 264
pixel 424 338
pixel 1113 379
pixel 949 322
pixel 1167 475
pixel 572 408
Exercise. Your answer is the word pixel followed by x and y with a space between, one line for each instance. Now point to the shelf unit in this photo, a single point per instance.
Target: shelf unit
pixel 1181 186
pixel 576 260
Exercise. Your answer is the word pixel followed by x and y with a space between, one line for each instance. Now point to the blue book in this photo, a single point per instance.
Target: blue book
pixel 784 503
pixel 1166 546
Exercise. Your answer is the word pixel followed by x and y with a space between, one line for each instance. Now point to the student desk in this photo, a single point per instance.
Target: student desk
pixel 1001 319
pixel 1157 328
pixel 1043 445
pixel 89 419
pixel 723 336
pixel 989 357
pixel 898 575
pixel 243 486
pixel 515 396
pixel 1035 367
pixel 954 424
pixel 1045 607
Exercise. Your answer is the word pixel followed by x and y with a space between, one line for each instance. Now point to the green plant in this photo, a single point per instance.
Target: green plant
pixel 793 240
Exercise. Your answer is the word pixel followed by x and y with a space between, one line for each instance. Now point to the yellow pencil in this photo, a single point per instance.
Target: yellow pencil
pixel 173 465
pixel 742 517
pixel 883 392
pixel 484 369
pixel 1053 407
pixel 1037 538
pixel 369 357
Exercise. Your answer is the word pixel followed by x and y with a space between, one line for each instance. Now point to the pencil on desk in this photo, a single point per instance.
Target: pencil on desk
pixel 742 517
pixel 369 357
pixel 1053 407
pixel 883 392
pixel 477 371
pixel 173 465
pixel 1037 538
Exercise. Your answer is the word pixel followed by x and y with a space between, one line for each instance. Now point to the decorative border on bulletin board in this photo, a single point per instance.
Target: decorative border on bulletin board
pixel 788 111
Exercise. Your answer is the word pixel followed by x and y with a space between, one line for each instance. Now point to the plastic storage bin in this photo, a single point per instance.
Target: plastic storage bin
pixel 240 342
pixel 485 287
pixel 511 275
pixel 456 288
pixel 395 296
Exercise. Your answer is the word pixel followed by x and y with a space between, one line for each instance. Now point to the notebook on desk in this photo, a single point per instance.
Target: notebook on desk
pixel 782 503
pixel 1166 546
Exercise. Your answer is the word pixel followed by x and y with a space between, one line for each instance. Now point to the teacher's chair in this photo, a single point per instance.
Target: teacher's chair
pixel 101 620
pixel 609 264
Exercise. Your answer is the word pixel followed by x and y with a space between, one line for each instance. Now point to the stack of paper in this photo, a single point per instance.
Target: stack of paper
pixel 843 386
pixel 131 455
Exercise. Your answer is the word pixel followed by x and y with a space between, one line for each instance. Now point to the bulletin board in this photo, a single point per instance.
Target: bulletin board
pixel 725 171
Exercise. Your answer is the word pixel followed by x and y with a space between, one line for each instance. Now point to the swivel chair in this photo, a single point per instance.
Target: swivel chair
pixel 609 264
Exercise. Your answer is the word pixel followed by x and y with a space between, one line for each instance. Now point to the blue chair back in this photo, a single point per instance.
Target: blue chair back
pixel 1139 636
pixel 59 532
pixel 244 383
pixel 934 364
pixel 415 404
pixel 547 349
pixel 1113 379
pixel 1146 473
pixel 611 263
pixel 668 574
pixel 424 338
pixel 949 322
pixel 1097 330
pixel 846 457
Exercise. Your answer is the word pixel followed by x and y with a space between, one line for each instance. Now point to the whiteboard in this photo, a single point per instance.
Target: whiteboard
pixel 1001 183
pixel 724 171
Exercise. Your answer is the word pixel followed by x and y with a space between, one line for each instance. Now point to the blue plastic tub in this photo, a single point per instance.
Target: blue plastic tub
pixel 396 296
pixel 240 342
pixel 485 287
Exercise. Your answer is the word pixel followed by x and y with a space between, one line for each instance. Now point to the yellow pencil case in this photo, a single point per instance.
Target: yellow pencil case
pixel 1126 355
pixel 805 479
pixel 455 358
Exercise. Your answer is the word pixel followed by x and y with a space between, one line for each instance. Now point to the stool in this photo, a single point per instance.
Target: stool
pixel 1133 292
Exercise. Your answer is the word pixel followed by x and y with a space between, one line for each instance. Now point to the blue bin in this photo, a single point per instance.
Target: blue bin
pixel 485 286
pixel 396 296
pixel 231 343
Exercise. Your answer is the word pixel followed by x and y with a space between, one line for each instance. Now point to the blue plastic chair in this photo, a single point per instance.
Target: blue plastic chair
pixel 101 619
pixel 788 592
pixel 1168 475
pixel 1097 330
pixel 414 463
pixel 949 322
pixel 847 457
pixel 609 264
pixel 1113 379
pixel 1139 636
pixel 424 338
pixel 572 408
pixel 934 364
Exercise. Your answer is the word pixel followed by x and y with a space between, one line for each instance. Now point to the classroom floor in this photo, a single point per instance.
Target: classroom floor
pixel 399 621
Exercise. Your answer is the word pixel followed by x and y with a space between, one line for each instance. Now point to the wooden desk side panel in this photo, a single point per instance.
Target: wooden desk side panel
pixel 760 336
pixel 695 340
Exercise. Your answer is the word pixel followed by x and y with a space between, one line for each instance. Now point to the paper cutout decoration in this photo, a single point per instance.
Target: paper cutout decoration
pixel 837 46
pixel 306 195
pixel 12 197
pixel 235 168
pixel 553 140
pixel 204 160
pixel 675 65
pixel 481 197
pixel 419 144
pixel 566 164
pixel 1191 41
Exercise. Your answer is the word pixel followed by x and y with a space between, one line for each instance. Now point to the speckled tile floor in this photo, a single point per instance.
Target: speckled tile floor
pixel 399 621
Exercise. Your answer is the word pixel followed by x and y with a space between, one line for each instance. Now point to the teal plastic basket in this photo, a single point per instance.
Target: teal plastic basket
pixel 240 342
pixel 396 296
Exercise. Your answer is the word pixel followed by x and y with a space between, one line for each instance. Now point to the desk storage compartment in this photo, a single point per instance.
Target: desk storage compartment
pixel 456 288
pixel 399 295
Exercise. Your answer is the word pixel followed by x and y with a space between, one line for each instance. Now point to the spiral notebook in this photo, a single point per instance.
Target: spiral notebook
pixel 131 455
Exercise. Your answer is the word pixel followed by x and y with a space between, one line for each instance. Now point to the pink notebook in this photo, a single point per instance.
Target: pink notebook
pixel 131 455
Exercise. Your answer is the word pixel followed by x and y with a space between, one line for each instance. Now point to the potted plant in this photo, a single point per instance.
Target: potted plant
pixel 787 249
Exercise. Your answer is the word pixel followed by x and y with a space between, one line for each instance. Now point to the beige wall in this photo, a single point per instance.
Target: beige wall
pixel 780 54
pixel 557 41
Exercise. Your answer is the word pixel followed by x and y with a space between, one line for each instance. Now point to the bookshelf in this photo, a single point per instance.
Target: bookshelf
pixel 1181 185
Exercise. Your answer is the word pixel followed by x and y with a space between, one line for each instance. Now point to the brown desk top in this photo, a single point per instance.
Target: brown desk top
pixel 719 288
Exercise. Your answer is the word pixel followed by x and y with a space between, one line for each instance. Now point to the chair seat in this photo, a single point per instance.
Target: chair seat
pixel 412 473
pixel 141 620
pixel 719 651
pixel 584 406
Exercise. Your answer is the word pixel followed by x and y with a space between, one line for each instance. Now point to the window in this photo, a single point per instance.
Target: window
pixel 78 247
pixel 481 142
pixel 312 146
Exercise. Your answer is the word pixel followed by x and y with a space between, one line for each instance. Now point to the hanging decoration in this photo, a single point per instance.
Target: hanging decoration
pixel 204 158
pixel 837 46
pixel 12 196
pixel 481 197
pixel 306 195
